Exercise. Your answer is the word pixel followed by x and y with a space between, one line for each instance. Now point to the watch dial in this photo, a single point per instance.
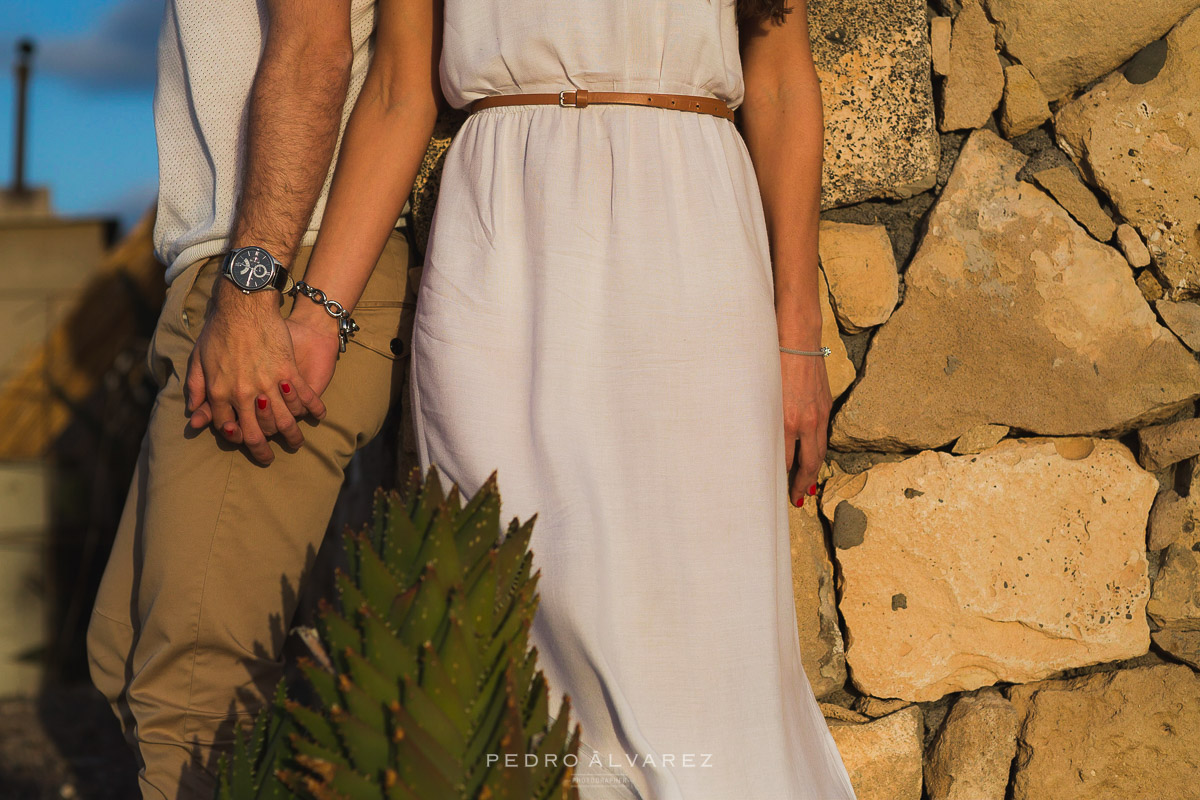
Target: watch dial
pixel 253 268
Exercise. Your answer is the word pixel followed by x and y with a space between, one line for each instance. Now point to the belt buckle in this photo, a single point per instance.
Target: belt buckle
pixel 580 94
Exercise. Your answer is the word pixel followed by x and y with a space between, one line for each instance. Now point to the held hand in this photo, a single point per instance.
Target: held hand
pixel 242 375
pixel 315 338
pixel 807 401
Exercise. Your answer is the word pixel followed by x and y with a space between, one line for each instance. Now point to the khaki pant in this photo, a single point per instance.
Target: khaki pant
pixel 214 549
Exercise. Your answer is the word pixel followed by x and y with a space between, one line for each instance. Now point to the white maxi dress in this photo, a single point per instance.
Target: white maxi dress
pixel 595 321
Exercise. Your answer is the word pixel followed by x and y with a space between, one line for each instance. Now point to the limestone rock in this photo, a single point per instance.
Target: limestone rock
pixel 973 752
pixel 1066 44
pixel 874 707
pixel 1160 446
pixel 1183 319
pixel 1024 106
pixel 1149 286
pixel 1132 734
pixel 1175 597
pixel 939 42
pixel 981 437
pixel 1077 199
pixel 838 366
pixel 961 571
pixel 1132 245
pixel 883 756
pixel 1175 602
pixel 873 59
pixel 860 267
pixel 1140 144
pixel 1012 315
pixel 975 82
pixel 1184 645
pixel 1172 519
pixel 821 647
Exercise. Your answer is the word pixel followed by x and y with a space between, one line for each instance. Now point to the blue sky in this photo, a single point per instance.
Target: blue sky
pixel 91 119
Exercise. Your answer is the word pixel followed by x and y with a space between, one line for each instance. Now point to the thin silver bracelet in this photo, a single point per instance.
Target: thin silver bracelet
pixel 823 352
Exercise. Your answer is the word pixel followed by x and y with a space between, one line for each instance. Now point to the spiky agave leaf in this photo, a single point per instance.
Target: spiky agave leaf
pixel 422 667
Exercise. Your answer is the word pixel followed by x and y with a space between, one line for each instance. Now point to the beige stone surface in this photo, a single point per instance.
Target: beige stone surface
pixel 1183 318
pixel 1175 595
pixel 1161 446
pixel 1132 246
pixel 883 756
pixel 25 529
pixel 971 756
pixel 1175 601
pixel 1140 143
pixel 1066 44
pixel 1129 734
pixel 1008 565
pixel 879 707
pixel 838 366
pixel 860 268
pixel 1173 518
pixel 975 83
pixel 1077 199
pixel 1012 315
pixel 939 42
pixel 821 647
pixel 1024 106
pixel 978 438
pixel 1182 644
pixel 873 59
pixel 1150 286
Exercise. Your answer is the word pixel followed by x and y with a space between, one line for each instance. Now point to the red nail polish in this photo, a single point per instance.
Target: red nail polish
pixel 801 501
pixel 262 403
pixel 286 387
pixel 812 489
pixel 228 429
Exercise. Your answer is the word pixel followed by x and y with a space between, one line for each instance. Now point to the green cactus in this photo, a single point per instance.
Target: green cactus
pixel 421 673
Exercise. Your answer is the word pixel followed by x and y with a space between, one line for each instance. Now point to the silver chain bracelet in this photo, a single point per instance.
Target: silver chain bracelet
pixel 346 325
pixel 823 352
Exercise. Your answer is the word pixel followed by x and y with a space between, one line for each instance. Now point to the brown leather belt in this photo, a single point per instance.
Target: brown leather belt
pixel 582 98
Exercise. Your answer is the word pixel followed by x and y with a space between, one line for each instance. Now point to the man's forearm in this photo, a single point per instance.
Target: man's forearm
pixel 294 116
pixel 784 134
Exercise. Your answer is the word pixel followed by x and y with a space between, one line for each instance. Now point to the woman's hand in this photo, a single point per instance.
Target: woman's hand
pixel 315 338
pixel 807 401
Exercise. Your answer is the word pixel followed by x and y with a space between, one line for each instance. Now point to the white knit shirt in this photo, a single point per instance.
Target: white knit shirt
pixel 208 53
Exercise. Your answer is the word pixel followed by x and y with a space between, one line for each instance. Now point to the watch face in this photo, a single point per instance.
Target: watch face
pixel 252 268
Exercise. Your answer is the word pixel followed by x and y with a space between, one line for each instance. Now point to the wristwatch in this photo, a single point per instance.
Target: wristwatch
pixel 253 269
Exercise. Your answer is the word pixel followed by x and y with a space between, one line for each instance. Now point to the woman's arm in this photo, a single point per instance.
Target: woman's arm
pixel 783 126
pixel 385 140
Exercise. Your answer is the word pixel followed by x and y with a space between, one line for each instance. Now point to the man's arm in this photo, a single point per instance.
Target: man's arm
pixel 243 359
pixel 782 120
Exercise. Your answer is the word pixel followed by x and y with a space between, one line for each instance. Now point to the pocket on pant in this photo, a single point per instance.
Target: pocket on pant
pixel 379 325
pixel 177 319
pixel 384 313
pixel 195 296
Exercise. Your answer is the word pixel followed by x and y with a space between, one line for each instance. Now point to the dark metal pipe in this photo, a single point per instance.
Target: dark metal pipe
pixel 24 57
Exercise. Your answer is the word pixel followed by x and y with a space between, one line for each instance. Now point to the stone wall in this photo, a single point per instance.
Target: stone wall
pixel 999 584
pixel 998 588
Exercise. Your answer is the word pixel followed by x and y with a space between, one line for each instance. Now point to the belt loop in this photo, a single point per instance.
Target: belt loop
pixel 581 98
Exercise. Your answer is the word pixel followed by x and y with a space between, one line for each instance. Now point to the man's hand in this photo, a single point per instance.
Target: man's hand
pixel 242 374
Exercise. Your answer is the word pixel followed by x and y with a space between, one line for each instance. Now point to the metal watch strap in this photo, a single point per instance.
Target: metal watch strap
pixel 346 324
